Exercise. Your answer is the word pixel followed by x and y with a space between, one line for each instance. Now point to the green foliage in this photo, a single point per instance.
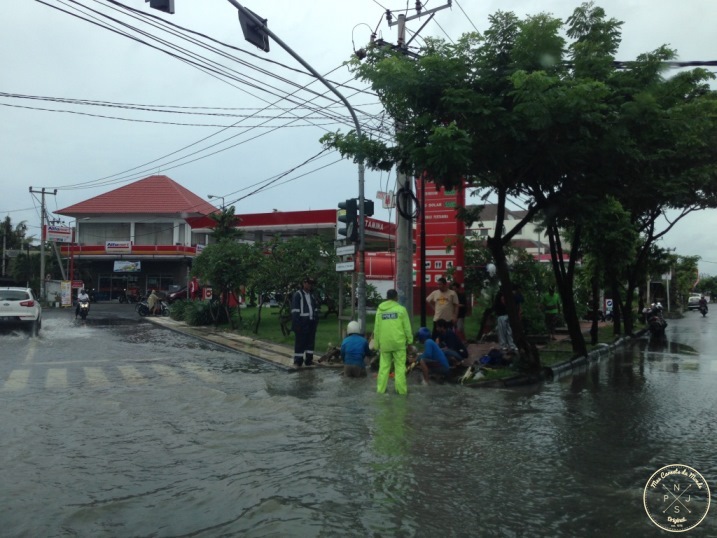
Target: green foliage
pixel 14 235
pixel 179 308
pixel 225 225
pixel 198 313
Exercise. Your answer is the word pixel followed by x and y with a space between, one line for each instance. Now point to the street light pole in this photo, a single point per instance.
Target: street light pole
pixel 361 287
pixel 210 196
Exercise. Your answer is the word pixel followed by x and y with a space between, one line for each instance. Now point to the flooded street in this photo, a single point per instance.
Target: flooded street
pixel 125 429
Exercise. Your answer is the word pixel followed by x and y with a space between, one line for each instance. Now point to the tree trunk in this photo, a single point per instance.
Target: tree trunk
pixel 594 307
pixel 529 359
pixel 564 281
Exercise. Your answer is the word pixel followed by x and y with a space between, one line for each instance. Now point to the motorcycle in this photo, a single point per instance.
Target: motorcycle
pixel 703 310
pixel 655 321
pixel 142 308
pixel 84 309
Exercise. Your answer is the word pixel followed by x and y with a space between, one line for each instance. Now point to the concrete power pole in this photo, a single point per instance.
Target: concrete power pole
pixel 42 239
pixel 404 227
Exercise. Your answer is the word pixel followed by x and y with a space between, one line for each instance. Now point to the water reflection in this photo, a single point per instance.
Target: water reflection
pixel 232 447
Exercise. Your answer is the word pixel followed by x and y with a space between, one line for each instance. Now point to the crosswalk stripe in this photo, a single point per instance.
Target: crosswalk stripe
pixel 170 375
pixel 56 378
pixel 95 376
pixel 17 380
pixel 132 375
pixel 201 372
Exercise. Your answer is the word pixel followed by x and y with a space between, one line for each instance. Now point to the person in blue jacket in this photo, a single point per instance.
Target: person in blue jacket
pixel 432 360
pixel 354 350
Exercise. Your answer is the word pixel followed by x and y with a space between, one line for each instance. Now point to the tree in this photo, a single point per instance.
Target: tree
pixel 282 264
pixel 226 265
pixel 520 115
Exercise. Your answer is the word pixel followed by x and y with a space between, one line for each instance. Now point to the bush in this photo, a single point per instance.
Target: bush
pixel 198 313
pixel 178 309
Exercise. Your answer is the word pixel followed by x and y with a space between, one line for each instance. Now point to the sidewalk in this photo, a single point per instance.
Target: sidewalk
pixel 280 355
pixel 275 354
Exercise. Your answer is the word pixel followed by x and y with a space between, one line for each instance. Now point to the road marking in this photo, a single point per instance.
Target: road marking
pixel 17 380
pixel 56 378
pixel 201 372
pixel 132 375
pixel 169 374
pixel 95 376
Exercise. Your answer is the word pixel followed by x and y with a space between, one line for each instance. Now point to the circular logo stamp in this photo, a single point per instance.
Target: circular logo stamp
pixel 676 498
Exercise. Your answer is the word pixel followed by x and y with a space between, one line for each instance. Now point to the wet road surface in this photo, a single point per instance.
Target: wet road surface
pixel 119 428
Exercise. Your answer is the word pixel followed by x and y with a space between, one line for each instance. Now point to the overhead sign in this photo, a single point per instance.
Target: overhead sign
pixel 118 247
pixel 58 234
pixel 345 266
pixel 346 250
pixel 124 266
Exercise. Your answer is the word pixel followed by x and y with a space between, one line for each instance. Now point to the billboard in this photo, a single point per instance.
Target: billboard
pixel 443 232
pixel 125 266
pixel 58 234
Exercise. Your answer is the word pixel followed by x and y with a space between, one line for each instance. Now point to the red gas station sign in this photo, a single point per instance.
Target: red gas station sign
pixel 443 232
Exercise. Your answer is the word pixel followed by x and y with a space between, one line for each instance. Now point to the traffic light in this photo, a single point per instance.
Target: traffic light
pixel 368 208
pixel 349 217
pixel 162 5
pixel 253 32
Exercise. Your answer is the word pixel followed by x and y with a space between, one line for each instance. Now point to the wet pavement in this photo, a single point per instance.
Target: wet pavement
pixel 118 427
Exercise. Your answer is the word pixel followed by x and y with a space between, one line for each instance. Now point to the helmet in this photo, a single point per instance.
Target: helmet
pixel 353 328
pixel 423 334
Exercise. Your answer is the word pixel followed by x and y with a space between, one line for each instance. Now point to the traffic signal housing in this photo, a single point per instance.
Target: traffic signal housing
pixel 368 208
pixel 350 218
pixel 162 5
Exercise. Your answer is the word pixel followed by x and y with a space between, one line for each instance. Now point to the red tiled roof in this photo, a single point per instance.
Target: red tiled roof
pixel 156 195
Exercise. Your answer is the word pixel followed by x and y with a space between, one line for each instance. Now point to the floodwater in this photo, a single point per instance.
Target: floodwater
pixel 130 430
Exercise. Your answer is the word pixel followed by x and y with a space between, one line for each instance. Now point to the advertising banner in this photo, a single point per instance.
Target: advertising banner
pixel 118 247
pixel 66 293
pixel 125 266
pixel 58 234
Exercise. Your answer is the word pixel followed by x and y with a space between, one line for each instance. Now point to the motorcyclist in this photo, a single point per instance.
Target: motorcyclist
pixel 154 304
pixel 81 296
pixel 703 303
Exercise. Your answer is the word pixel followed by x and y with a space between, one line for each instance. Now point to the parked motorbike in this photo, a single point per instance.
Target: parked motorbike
pixel 142 308
pixel 655 321
pixel 84 309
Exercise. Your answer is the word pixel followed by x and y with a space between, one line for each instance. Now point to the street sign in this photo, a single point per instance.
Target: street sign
pixel 345 266
pixel 346 250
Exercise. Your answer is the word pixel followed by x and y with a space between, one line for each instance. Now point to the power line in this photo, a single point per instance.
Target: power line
pixel 466 14
pixel 107 180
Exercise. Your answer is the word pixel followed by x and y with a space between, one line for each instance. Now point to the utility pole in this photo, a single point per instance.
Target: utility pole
pixel 404 224
pixel 42 238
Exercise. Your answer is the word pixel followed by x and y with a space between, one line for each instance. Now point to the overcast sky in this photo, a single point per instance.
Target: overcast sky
pixel 225 142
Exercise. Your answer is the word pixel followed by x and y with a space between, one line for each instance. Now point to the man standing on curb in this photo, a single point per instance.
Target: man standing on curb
pixel 304 321
pixel 392 333
pixel 444 302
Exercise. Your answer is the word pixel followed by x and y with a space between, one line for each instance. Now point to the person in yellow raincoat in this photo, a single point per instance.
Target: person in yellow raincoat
pixel 392 333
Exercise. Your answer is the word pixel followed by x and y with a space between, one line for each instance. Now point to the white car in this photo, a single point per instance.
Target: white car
pixel 693 302
pixel 19 306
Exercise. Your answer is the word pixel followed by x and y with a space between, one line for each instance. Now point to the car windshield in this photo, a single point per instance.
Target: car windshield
pixel 13 295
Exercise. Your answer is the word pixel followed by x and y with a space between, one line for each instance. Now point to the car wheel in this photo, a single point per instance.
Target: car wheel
pixel 33 328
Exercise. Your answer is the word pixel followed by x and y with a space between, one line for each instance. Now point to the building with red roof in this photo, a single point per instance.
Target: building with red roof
pixel 143 236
